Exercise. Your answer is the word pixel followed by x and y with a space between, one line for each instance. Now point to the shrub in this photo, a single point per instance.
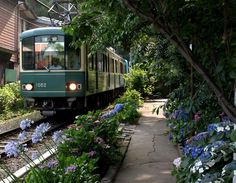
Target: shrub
pixel 11 102
pixel 138 80
pixel 132 100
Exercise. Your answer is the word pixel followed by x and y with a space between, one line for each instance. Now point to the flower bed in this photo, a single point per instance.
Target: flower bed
pixel 84 151
pixel 208 147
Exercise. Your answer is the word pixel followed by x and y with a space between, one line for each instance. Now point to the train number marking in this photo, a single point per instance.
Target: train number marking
pixel 41 85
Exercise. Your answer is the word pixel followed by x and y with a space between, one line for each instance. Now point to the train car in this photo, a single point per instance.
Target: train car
pixel 56 77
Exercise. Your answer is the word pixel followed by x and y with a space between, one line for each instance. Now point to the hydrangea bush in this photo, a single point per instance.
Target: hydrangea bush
pixel 84 150
pixel 207 156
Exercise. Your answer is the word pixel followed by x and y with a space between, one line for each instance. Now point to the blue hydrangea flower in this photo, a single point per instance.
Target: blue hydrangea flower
pixel 12 149
pixel 193 151
pixel 22 136
pixel 179 114
pixel 57 137
pixel 118 107
pixel 215 146
pixel 43 128
pixel 40 132
pixel 200 136
pixel 37 137
pixel 26 123
pixel 212 127
pixel 205 156
pixel 70 169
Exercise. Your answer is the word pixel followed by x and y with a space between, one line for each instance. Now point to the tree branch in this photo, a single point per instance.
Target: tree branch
pixel 137 10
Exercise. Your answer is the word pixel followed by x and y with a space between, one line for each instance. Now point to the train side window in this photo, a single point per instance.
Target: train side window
pixel 112 65
pixel 121 68
pixel 91 62
pixel 116 66
pixel 105 63
pixel 100 62
pixel 73 59
pixel 28 53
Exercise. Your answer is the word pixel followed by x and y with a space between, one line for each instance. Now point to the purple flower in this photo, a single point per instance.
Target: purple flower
pixel 70 169
pixel 25 124
pixel 43 128
pixel 22 136
pixel 37 137
pixel 200 136
pixel 12 149
pixel 57 137
pixel 92 154
pixel 52 164
pixel 39 132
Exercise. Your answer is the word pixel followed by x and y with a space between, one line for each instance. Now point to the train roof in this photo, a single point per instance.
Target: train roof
pixel 42 31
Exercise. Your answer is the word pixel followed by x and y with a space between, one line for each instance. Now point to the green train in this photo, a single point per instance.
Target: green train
pixel 56 77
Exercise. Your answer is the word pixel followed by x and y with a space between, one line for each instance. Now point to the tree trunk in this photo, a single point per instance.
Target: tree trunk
pixel 228 108
pixel 163 27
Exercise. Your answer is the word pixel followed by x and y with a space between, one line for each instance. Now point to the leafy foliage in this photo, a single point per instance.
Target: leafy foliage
pixel 137 79
pixel 11 102
pixel 208 26
pixel 132 100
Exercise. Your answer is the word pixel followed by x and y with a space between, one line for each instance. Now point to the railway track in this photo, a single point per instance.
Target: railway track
pixel 13 164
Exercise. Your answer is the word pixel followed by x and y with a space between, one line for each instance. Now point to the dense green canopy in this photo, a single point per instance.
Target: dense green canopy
pixel 209 26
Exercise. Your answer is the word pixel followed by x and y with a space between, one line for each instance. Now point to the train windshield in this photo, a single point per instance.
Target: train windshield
pixel 49 52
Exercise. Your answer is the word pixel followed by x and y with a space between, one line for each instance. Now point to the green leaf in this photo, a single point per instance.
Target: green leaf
pixel 233 136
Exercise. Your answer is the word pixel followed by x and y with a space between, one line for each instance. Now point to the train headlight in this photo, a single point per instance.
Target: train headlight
pixel 27 87
pixel 72 86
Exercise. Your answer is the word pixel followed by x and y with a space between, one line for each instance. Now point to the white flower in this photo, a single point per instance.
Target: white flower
pixel 198 164
pixel 227 128
pixel 201 170
pixel 193 169
pixel 177 162
pixel 220 129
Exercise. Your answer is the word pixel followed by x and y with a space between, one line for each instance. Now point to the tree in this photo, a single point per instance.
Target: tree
pixel 208 25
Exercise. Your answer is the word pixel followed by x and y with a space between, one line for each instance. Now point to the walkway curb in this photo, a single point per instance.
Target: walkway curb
pixel 13 123
pixel 113 170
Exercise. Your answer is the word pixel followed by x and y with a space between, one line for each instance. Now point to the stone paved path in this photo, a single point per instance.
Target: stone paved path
pixel 150 154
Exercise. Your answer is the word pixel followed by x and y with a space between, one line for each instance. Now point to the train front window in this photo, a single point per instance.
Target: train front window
pixel 47 49
pixel 42 52
pixel 39 52
pixel 28 53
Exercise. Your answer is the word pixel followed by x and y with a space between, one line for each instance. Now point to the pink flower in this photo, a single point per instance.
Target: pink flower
pixel 197 117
